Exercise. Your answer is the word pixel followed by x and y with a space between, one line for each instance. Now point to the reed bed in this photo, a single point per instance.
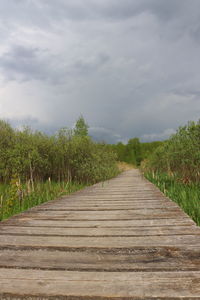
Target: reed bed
pixel 16 198
pixel 186 195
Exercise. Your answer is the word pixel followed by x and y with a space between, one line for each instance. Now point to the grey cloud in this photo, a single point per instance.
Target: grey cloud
pixel 42 11
pixel 117 9
pixel 23 63
pixel 131 66
pixel 101 134
pixel 158 136
pixel 88 65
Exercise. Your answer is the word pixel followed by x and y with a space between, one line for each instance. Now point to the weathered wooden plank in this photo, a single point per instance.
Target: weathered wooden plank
pixel 134 231
pixel 143 285
pixel 179 241
pixel 108 215
pixel 149 259
pixel 112 206
pixel 112 211
pixel 169 222
pixel 102 208
pixel 121 197
pixel 110 201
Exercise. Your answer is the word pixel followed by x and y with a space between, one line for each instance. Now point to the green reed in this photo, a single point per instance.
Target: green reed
pixel 186 195
pixel 14 200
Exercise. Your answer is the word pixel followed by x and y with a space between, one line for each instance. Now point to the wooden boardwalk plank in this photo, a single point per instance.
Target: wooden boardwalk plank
pixel 101 231
pixel 122 239
pixel 178 241
pixel 107 215
pixel 143 285
pixel 118 260
pixel 101 223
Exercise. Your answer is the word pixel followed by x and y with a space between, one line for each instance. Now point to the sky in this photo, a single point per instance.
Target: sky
pixel 130 67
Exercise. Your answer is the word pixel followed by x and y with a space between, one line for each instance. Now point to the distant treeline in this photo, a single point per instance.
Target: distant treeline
pixel 69 155
pixel 134 152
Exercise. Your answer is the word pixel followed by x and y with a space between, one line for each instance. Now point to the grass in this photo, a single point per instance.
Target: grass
pixel 187 196
pixel 13 202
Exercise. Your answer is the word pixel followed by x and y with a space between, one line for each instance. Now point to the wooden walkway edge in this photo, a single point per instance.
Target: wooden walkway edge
pixel 119 240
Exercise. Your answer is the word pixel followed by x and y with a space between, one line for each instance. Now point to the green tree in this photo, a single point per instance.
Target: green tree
pixel 81 127
pixel 120 149
pixel 133 151
pixel 7 141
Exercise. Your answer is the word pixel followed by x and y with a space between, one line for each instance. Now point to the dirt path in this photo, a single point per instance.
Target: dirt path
pixel 119 240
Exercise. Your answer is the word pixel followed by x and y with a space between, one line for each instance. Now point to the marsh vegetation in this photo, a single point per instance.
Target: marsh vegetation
pixel 175 168
pixel 36 167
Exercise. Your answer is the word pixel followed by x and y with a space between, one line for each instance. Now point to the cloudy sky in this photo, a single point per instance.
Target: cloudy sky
pixel 130 67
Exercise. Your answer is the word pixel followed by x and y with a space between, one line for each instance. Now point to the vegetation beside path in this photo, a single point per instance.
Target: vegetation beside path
pixel 36 167
pixel 175 168
pixel 16 197
pixel 187 196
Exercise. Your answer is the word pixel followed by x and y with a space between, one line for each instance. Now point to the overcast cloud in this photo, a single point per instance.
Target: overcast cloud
pixel 130 67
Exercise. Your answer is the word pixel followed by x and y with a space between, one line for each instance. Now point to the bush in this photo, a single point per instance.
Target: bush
pixel 180 155
pixel 69 155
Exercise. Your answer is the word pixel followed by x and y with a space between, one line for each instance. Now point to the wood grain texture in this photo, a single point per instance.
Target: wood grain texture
pixel 121 239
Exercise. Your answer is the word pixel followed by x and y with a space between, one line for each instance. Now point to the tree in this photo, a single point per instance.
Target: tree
pixel 133 151
pixel 120 148
pixel 81 127
pixel 7 140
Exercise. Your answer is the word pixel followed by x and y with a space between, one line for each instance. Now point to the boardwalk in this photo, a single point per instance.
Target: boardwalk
pixel 120 240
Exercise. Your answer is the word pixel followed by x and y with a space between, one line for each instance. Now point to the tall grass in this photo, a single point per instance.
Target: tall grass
pixel 14 200
pixel 186 195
